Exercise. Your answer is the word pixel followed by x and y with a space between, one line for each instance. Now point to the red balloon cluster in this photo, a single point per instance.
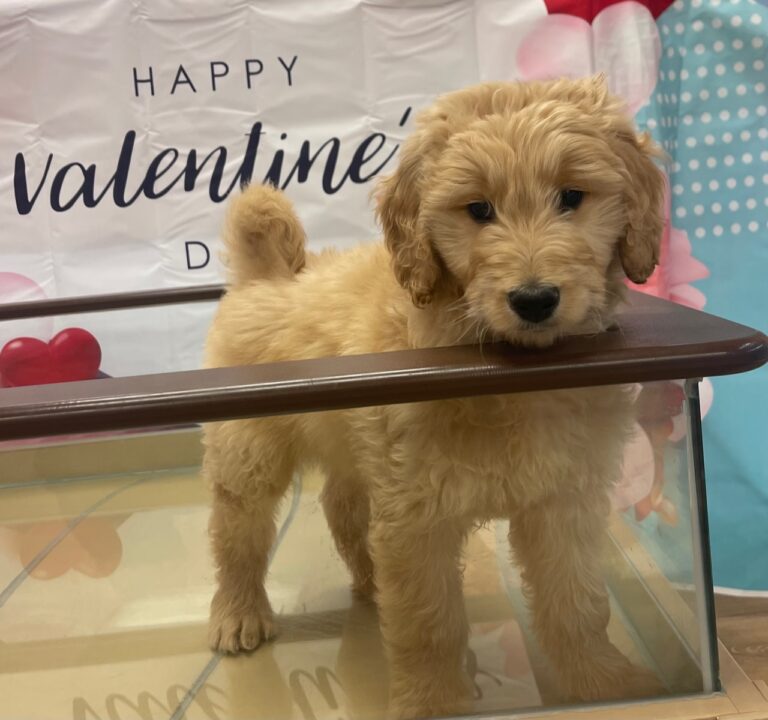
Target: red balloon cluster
pixel 72 354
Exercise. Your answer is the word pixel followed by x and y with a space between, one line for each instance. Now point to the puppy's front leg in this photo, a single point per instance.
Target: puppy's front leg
pixel 558 543
pixel 248 465
pixel 242 535
pixel 421 607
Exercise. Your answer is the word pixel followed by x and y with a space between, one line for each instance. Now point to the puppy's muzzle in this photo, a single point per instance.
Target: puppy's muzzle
pixel 534 303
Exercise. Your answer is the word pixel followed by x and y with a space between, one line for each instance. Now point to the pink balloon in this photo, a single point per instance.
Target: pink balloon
pixel 622 41
pixel 557 46
pixel 19 288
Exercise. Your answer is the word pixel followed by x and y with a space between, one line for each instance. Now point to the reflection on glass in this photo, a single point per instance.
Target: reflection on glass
pixel 106 580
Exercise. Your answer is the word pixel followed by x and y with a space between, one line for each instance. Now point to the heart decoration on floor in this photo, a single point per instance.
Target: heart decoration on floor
pixel 72 354
pixel 93 547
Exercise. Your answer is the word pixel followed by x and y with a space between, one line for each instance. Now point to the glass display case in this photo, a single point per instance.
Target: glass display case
pixel 106 574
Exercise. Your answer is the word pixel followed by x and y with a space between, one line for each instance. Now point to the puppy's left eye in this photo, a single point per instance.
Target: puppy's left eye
pixel 570 199
pixel 481 212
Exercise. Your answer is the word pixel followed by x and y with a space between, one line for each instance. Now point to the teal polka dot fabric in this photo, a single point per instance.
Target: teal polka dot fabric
pixel 709 110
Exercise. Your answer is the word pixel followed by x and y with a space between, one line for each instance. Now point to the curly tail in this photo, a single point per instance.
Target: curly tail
pixel 263 238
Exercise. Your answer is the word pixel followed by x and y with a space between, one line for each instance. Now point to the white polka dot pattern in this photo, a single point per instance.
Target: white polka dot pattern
pixel 709 113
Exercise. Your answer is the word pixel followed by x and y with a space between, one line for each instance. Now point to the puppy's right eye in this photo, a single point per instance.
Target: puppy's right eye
pixel 570 199
pixel 481 212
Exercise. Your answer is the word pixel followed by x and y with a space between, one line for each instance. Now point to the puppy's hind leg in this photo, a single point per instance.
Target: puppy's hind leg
pixel 249 469
pixel 347 509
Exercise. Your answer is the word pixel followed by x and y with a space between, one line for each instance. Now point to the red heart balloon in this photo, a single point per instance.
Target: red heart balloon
pixel 589 9
pixel 72 354
pixel 76 354
pixel 25 361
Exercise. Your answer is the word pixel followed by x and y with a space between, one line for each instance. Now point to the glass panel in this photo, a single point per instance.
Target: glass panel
pixel 106 577
pixel 662 514
pixel 702 560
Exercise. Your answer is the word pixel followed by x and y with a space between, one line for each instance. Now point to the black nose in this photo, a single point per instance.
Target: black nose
pixel 534 303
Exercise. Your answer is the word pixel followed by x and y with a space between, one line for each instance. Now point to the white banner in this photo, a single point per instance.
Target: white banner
pixel 124 125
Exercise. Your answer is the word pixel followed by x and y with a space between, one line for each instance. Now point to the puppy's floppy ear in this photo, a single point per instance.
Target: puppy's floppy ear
pixel 644 195
pixel 399 196
pixel 644 183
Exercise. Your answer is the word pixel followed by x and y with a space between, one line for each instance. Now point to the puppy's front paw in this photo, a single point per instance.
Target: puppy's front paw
pixel 406 709
pixel 611 676
pixel 430 694
pixel 642 683
pixel 239 626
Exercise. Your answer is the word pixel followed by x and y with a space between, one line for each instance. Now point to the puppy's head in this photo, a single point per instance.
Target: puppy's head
pixel 528 200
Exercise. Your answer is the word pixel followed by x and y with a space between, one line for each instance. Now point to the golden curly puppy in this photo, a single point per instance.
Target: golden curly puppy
pixel 511 215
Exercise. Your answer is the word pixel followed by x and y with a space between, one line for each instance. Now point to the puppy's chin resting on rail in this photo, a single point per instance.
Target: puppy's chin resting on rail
pixel 514 213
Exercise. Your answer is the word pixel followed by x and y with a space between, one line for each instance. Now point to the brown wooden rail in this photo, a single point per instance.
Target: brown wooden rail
pixel 656 340
pixel 114 301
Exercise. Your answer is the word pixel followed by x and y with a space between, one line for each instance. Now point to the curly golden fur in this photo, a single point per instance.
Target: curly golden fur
pixel 406 483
